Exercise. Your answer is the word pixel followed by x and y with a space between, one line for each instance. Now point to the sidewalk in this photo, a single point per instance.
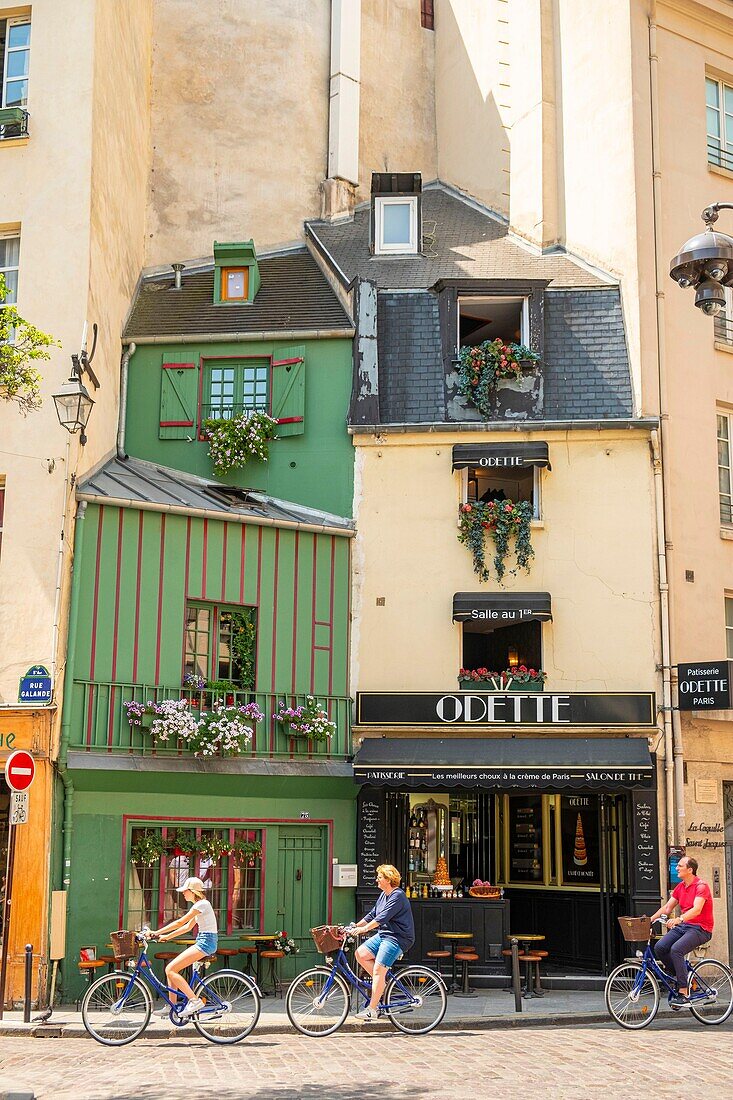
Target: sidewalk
pixel 491 1009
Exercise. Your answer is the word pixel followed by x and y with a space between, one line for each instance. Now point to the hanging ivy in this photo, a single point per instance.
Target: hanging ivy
pixel 482 366
pixel 502 520
pixel 244 647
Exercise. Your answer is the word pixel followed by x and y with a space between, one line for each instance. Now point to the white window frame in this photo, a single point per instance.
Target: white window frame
pixel 19 21
pixel 725 500
pixel 725 156
pixel 536 490
pixel 728 629
pixel 382 249
pixel 10 235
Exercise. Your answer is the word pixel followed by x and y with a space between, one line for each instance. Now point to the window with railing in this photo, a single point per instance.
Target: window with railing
pixel 719 112
pixel 227 860
pixel 15 47
pixel 232 389
pixel 725 480
pixel 220 644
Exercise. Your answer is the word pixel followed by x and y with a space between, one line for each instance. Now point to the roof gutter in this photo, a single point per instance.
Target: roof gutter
pixel 237 337
pixel 211 513
pixel 644 423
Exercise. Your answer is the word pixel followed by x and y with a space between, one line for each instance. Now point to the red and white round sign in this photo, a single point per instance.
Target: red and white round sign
pixel 20 767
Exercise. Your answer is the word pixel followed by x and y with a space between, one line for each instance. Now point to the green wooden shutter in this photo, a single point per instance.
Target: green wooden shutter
pixel 288 390
pixel 178 400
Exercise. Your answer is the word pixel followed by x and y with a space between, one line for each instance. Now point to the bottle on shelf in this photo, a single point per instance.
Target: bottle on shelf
pixel 413 820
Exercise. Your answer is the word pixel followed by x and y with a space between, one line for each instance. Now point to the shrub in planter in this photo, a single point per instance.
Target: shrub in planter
pixel 482 366
pixel 502 520
pixel 233 442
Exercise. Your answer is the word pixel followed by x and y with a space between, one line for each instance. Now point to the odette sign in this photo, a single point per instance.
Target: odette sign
pixel 484 708
pixel 705 686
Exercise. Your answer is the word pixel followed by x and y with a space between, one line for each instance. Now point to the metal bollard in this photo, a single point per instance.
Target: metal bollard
pixel 516 979
pixel 28 981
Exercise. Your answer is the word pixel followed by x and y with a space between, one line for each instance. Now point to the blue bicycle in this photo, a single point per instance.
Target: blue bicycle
pixel 632 989
pixel 318 1001
pixel 117 1008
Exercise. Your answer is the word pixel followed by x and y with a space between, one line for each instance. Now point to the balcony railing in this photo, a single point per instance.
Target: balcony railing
pixel 13 123
pixel 723 329
pixel 720 157
pixel 100 722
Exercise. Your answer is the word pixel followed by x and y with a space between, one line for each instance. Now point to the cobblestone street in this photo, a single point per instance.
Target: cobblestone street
pixel 571 1063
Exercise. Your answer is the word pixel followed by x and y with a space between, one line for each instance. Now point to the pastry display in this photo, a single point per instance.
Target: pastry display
pixel 441 878
pixel 580 852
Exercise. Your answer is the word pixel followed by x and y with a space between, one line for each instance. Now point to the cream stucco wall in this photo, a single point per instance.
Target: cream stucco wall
pixel 594 554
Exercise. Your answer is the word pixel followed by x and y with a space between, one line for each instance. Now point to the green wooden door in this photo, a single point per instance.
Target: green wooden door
pixel 302 900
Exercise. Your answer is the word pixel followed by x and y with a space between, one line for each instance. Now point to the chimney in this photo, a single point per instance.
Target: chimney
pixel 177 269
pixel 339 188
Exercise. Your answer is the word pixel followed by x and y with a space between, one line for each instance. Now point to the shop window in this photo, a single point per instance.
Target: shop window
pixel 227 860
pixel 220 644
pixel 503 483
pixel 502 647
pixel 492 318
pixel 233 389
pixel 2 511
pixel 554 840
pixel 719 112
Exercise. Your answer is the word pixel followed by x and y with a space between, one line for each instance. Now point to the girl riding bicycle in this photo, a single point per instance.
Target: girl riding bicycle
pixel 202 914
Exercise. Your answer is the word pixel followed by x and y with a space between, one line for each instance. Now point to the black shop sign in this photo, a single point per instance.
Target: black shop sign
pixel 705 686
pixel 484 708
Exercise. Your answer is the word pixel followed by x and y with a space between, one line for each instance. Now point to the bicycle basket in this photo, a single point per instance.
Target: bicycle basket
pixel 327 937
pixel 123 944
pixel 635 929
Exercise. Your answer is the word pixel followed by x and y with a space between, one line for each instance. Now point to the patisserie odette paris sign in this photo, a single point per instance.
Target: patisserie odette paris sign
pixel 484 708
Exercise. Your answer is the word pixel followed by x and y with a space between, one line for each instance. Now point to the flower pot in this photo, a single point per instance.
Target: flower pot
pixel 479 685
pixel 534 686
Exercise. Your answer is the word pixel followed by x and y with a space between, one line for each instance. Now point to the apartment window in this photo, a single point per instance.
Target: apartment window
pixel 227 860
pixel 483 318
pixel 729 627
pixel 427 14
pixel 719 111
pixel 723 321
pixel 9 260
pixel 725 481
pixel 234 284
pixel 484 485
pixel 220 644
pixel 395 225
pixel 2 511
pixel 235 388
pixel 498 648
pixel 15 45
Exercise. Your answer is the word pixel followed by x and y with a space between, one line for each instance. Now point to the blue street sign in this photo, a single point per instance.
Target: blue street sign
pixel 36 687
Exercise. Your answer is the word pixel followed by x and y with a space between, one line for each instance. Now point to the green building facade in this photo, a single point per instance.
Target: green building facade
pixel 202 598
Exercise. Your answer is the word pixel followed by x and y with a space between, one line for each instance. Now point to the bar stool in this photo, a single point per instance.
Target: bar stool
pixel 165 956
pixel 226 953
pixel 465 957
pixel 87 969
pixel 530 960
pixel 274 957
pixel 439 956
pixel 109 961
pixel 249 954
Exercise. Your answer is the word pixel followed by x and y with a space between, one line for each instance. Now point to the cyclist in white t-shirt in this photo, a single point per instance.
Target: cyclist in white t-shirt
pixel 202 914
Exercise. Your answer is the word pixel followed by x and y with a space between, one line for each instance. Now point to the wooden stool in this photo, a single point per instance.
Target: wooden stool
pixel 249 954
pixel 465 958
pixel 226 953
pixel 274 955
pixel 109 961
pixel 87 969
pixel 439 955
pixel 530 960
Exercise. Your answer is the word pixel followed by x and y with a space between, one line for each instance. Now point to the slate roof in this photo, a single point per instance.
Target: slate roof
pixel 468 243
pixel 134 481
pixel 294 295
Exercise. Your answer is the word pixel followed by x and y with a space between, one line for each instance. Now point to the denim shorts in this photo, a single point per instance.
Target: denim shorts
pixel 386 951
pixel 206 942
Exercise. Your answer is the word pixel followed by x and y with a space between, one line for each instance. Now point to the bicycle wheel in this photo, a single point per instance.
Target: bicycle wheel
pixel 241 1009
pixel 631 1001
pixel 313 1010
pixel 425 988
pixel 714 979
pixel 116 1009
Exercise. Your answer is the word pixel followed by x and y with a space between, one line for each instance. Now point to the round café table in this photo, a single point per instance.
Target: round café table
pixel 260 940
pixel 526 940
pixel 454 940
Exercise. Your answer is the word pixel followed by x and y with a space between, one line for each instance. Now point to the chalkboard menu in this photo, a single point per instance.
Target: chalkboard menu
pixel 580 848
pixel 370 834
pixel 525 838
pixel 645 835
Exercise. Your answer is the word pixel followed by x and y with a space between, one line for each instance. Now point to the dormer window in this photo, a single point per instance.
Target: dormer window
pixel 236 273
pixel 234 284
pixel 396 213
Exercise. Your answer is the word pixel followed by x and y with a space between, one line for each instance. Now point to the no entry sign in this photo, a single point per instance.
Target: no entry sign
pixel 20 767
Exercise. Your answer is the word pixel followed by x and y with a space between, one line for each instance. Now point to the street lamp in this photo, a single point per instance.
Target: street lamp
pixel 705 263
pixel 72 401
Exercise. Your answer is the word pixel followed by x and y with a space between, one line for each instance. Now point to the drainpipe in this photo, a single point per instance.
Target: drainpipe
pixel 664 612
pixel 60 565
pixel 676 803
pixel 69 690
pixel 124 365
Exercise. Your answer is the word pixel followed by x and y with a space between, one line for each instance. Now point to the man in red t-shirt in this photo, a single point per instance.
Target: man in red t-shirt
pixel 693 927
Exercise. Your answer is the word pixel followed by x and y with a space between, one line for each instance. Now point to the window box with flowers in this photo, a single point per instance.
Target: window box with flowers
pixel 234 441
pixel 519 678
pixel 501 380
pixel 308 721
pixel 220 731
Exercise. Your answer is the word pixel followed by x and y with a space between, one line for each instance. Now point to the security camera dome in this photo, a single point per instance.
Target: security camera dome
pixel 700 255
pixel 710 297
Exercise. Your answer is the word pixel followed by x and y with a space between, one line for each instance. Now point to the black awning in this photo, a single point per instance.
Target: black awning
pixel 492 609
pixel 500 455
pixel 532 763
